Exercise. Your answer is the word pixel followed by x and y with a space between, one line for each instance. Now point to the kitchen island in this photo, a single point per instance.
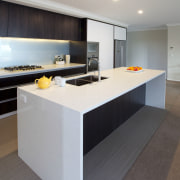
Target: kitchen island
pixel 51 121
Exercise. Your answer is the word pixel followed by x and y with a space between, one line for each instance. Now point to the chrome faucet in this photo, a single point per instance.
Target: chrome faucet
pixel 95 59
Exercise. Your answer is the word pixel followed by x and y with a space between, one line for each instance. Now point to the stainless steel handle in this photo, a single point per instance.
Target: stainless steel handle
pixel 8 100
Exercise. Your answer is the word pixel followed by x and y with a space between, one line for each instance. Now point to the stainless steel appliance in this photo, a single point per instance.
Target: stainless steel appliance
pixel 119 53
pixel 92 56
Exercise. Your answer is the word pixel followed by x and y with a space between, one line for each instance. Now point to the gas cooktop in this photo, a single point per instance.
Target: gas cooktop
pixel 23 68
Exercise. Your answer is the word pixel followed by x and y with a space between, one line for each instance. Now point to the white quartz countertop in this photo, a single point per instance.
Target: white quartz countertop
pixel 5 73
pixel 87 97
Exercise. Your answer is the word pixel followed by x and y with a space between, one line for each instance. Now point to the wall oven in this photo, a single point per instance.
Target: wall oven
pixel 92 56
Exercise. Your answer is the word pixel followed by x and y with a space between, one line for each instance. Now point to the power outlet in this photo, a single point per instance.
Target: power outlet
pixel 23 98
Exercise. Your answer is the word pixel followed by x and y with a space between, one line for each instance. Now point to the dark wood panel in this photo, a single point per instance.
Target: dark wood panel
pixel 3 18
pixel 16 80
pixel 63 73
pixel 35 23
pixel 97 125
pixel 30 22
pixel 20 23
pixel 78 51
pixel 46 24
pixel 100 122
pixel 137 99
pixel 7 107
pixel 84 29
pixel 8 93
pixel 67 27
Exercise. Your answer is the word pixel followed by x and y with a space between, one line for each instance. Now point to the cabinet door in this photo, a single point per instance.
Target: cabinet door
pixel 30 23
pixel 75 29
pixel 7 107
pixel 67 28
pixel 119 33
pixel 46 24
pixel 3 18
pixel 102 33
pixel 35 23
pixel 23 22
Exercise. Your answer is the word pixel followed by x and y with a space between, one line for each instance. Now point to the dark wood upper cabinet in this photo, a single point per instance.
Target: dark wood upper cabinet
pixel 30 22
pixel 48 25
pixel 3 18
pixel 35 23
pixel 67 27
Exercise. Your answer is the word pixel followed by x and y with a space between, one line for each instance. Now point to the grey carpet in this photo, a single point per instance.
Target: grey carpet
pixel 13 168
pixel 156 162
pixel 110 160
pixel 160 159
pixel 113 157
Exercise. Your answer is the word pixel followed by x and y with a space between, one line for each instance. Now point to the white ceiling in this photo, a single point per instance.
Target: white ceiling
pixel 157 13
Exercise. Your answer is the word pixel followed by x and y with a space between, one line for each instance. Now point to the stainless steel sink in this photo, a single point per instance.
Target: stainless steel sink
pixel 84 80
pixel 92 78
pixel 78 82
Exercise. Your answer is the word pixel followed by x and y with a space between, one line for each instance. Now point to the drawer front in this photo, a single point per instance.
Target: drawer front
pixel 6 94
pixel 8 106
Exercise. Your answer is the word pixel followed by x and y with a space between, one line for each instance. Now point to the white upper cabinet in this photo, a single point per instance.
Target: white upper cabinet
pixel 102 33
pixel 119 33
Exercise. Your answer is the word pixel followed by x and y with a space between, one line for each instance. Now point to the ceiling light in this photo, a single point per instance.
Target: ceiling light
pixel 115 0
pixel 140 12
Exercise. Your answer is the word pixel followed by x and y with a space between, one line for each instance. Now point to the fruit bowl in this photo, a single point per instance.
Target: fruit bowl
pixel 134 69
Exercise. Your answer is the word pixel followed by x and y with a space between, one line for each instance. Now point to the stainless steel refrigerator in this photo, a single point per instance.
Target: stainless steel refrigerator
pixel 119 53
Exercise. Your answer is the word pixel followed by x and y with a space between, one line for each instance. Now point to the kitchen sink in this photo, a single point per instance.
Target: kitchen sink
pixel 84 80
pixel 78 82
pixel 92 78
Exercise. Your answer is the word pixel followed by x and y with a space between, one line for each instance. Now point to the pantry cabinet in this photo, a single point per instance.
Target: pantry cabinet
pixel 102 33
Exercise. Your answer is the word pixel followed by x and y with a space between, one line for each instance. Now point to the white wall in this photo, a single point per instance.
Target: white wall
pixel 147 49
pixel 174 53
pixel 102 33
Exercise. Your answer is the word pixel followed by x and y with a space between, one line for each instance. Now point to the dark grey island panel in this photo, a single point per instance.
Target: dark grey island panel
pixel 100 122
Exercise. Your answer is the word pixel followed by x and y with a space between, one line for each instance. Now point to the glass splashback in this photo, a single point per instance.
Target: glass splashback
pixel 20 51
